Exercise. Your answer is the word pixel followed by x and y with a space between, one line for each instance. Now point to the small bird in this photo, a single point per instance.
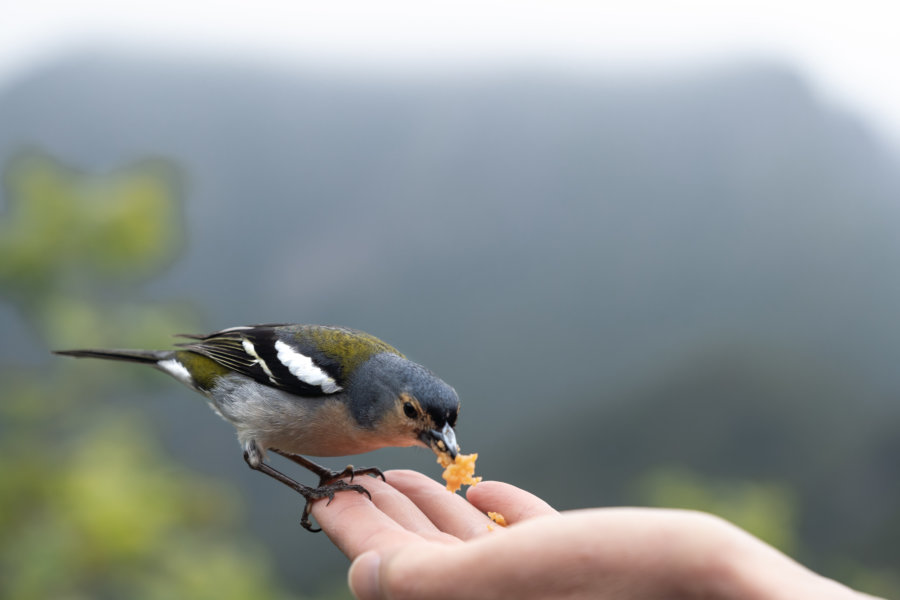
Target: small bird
pixel 309 390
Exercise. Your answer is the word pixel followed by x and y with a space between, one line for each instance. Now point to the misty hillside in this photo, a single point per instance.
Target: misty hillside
pixel 548 209
pixel 578 256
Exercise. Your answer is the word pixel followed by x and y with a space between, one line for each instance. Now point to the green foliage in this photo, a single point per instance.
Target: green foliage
pixel 113 518
pixel 124 226
pixel 770 511
pixel 90 507
pixel 766 510
pixel 71 242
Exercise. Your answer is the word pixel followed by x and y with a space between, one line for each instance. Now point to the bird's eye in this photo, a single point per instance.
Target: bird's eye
pixel 409 410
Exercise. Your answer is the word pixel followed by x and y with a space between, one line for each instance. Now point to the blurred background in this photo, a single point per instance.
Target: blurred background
pixel 655 250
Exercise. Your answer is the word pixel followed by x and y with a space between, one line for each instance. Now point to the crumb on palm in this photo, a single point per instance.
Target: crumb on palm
pixel 497 518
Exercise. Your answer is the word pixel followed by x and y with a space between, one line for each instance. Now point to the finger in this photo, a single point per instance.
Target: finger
pixel 545 557
pixel 403 510
pixel 355 524
pixel 513 565
pixel 515 504
pixel 450 512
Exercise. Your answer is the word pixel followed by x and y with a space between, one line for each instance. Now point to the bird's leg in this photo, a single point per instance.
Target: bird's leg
pixel 325 474
pixel 311 494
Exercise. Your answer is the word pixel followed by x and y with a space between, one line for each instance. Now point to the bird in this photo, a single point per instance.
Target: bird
pixel 309 390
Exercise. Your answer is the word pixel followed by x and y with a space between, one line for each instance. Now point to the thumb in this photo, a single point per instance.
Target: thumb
pixel 419 571
pixel 513 564
pixel 364 576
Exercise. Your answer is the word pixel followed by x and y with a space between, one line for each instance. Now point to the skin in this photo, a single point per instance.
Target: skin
pixel 416 540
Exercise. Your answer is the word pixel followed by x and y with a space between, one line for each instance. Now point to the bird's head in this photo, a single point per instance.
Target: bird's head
pixel 406 403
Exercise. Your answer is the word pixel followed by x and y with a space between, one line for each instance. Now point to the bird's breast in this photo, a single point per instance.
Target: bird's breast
pixel 325 430
pixel 319 426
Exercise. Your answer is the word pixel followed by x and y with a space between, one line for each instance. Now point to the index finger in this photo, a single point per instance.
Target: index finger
pixel 355 525
pixel 448 511
pixel 514 503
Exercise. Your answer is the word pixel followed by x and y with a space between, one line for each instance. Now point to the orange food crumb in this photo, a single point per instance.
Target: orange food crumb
pixel 497 518
pixel 458 472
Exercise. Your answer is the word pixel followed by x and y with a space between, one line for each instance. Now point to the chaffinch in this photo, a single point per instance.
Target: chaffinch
pixel 309 389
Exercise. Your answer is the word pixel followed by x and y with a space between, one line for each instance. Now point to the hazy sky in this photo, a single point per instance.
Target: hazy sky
pixel 849 50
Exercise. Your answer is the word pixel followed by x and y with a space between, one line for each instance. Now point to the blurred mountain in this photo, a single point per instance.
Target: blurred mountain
pixel 588 259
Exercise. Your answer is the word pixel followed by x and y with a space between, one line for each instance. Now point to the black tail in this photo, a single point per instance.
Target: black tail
pixel 139 356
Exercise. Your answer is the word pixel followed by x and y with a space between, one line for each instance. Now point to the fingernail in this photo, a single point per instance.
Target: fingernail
pixel 363 576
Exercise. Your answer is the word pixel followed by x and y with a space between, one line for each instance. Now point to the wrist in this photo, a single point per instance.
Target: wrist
pixel 741 566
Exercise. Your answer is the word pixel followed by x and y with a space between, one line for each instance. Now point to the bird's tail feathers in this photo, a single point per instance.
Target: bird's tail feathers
pixel 138 356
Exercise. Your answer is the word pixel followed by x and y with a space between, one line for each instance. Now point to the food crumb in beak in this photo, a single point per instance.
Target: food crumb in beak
pixel 458 472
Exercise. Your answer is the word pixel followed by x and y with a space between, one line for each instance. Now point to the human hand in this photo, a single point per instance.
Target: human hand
pixel 416 540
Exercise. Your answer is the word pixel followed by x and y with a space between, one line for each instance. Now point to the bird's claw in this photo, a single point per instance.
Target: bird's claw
pixel 330 482
pixel 327 491
pixel 325 474
pixel 351 472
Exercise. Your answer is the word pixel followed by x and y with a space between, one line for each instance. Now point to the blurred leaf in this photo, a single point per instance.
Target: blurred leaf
pixel 90 506
pixel 766 510
pixel 69 322
pixel 66 228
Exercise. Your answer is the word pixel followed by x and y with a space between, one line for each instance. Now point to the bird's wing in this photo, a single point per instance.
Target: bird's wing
pixel 307 360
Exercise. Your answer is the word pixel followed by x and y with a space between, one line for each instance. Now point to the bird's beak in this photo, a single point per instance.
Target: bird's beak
pixel 442 442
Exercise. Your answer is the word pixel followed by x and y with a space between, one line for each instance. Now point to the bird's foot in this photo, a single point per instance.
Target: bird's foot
pixel 351 472
pixel 328 475
pixel 326 491
pixel 311 494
